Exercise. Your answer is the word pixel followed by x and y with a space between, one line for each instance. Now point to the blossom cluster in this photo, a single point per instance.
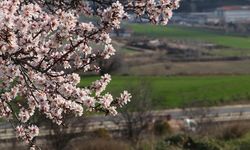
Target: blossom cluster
pixel 43 44
pixel 27 133
pixel 157 11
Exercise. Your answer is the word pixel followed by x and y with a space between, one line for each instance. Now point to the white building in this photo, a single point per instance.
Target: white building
pixel 233 14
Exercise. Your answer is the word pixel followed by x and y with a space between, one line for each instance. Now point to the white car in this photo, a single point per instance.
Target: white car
pixel 190 124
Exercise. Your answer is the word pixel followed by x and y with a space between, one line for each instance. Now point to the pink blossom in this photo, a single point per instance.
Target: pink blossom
pixel 106 100
pixel 124 98
pixel 27 133
pixel 42 50
pixel 24 115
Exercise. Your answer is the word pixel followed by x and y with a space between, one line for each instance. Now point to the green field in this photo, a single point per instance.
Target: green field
pixel 189 33
pixel 170 92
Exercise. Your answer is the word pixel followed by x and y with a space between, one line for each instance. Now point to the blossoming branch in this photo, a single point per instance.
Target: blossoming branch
pixel 43 44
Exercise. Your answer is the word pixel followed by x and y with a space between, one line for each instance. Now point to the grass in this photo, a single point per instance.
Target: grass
pixel 240 143
pixel 231 52
pixel 170 92
pixel 187 33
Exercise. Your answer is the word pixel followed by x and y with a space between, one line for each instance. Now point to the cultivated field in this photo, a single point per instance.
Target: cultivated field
pixel 193 68
pixel 189 33
pixel 186 66
pixel 177 91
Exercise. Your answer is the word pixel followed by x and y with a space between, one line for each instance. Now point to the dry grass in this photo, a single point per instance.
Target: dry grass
pixel 97 144
pixel 227 131
pixel 193 68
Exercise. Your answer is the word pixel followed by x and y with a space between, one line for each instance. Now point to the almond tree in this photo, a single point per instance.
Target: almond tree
pixel 43 44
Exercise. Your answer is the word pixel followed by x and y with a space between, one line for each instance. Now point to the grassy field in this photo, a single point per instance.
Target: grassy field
pixel 187 33
pixel 170 92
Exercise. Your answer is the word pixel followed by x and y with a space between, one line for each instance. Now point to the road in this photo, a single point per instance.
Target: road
pixel 182 113
pixel 209 111
pixel 223 113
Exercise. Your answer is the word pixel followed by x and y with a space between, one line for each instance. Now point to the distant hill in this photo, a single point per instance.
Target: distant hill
pixel 206 5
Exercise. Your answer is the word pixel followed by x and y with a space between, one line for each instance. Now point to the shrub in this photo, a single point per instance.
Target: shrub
pixel 165 146
pixel 183 141
pixel 232 131
pixel 162 127
pixel 206 144
pixel 177 140
pixel 97 144
pixel 102 133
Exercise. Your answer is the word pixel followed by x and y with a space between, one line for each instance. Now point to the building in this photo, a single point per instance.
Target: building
pixel 233 14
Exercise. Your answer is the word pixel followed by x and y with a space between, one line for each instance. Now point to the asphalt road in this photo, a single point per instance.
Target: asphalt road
pixel 223 113
pixel 190 112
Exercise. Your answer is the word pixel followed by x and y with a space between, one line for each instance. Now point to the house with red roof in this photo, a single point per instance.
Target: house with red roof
pixel 233 14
